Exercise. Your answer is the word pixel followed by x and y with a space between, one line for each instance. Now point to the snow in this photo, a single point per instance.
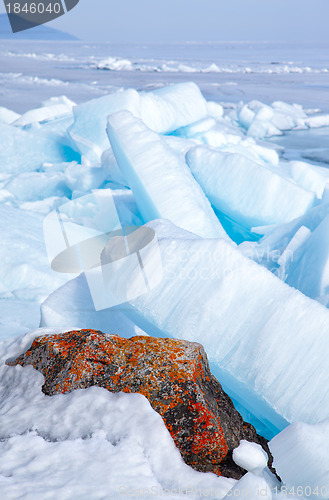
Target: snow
pixel 161 183
pixel 250 456
pixel 120 443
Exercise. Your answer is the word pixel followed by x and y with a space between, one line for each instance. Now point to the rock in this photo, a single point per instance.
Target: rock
pixel 172 374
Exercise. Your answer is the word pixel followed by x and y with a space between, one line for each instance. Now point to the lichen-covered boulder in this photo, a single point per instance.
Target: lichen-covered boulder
pixel 173 375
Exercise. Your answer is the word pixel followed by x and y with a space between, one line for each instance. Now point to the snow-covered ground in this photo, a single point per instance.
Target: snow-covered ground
pixel 238 174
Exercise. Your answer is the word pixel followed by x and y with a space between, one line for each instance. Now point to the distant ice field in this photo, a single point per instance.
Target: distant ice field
pixel 227 71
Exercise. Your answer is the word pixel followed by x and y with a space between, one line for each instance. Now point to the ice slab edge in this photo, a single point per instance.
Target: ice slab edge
pixel 162 183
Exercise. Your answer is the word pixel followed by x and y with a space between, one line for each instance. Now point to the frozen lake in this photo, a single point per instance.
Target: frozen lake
pixel 229 72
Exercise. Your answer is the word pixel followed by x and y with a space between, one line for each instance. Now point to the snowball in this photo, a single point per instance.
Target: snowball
pixel 250 456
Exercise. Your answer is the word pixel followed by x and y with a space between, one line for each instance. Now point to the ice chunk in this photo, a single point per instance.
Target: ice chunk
pixel 190 131
pixel 88 132
pixel 214 110
pixel 245 116
pixel 246 191
pixel 249 149
pixel 83 178
pixel 248 320
pixel 32 186
pixel 126 207
pixel 261 123
pixel 169 108
pixel 288 116
pixel 309 176
pixel 294 110
pixel 7 115
pixel 23 259
pixel 301 458
pixel 317 121
pixel 294 245
pixel 270 319
pixel 22 151
pixel 163 110
pixel 261 120
pixel 59 307
pixel 162 184
pixel 252 487
pixel 112 169
pixel 262 128
pixel 59 100
pixel 44 206
pixel 267 154
pixel 56 107
pixel 270 249
pixel 309 271
pixel 180 145
pixel 206 131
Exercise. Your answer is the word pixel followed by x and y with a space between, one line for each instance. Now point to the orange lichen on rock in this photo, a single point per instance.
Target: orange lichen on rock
pixel 172 374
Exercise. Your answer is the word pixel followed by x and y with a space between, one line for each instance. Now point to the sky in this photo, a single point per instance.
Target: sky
pixel 196 20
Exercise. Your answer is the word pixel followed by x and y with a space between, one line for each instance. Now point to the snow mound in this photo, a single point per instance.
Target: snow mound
pixel 118 440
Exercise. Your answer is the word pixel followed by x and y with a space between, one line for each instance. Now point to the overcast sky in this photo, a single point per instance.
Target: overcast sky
pixel 196 20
